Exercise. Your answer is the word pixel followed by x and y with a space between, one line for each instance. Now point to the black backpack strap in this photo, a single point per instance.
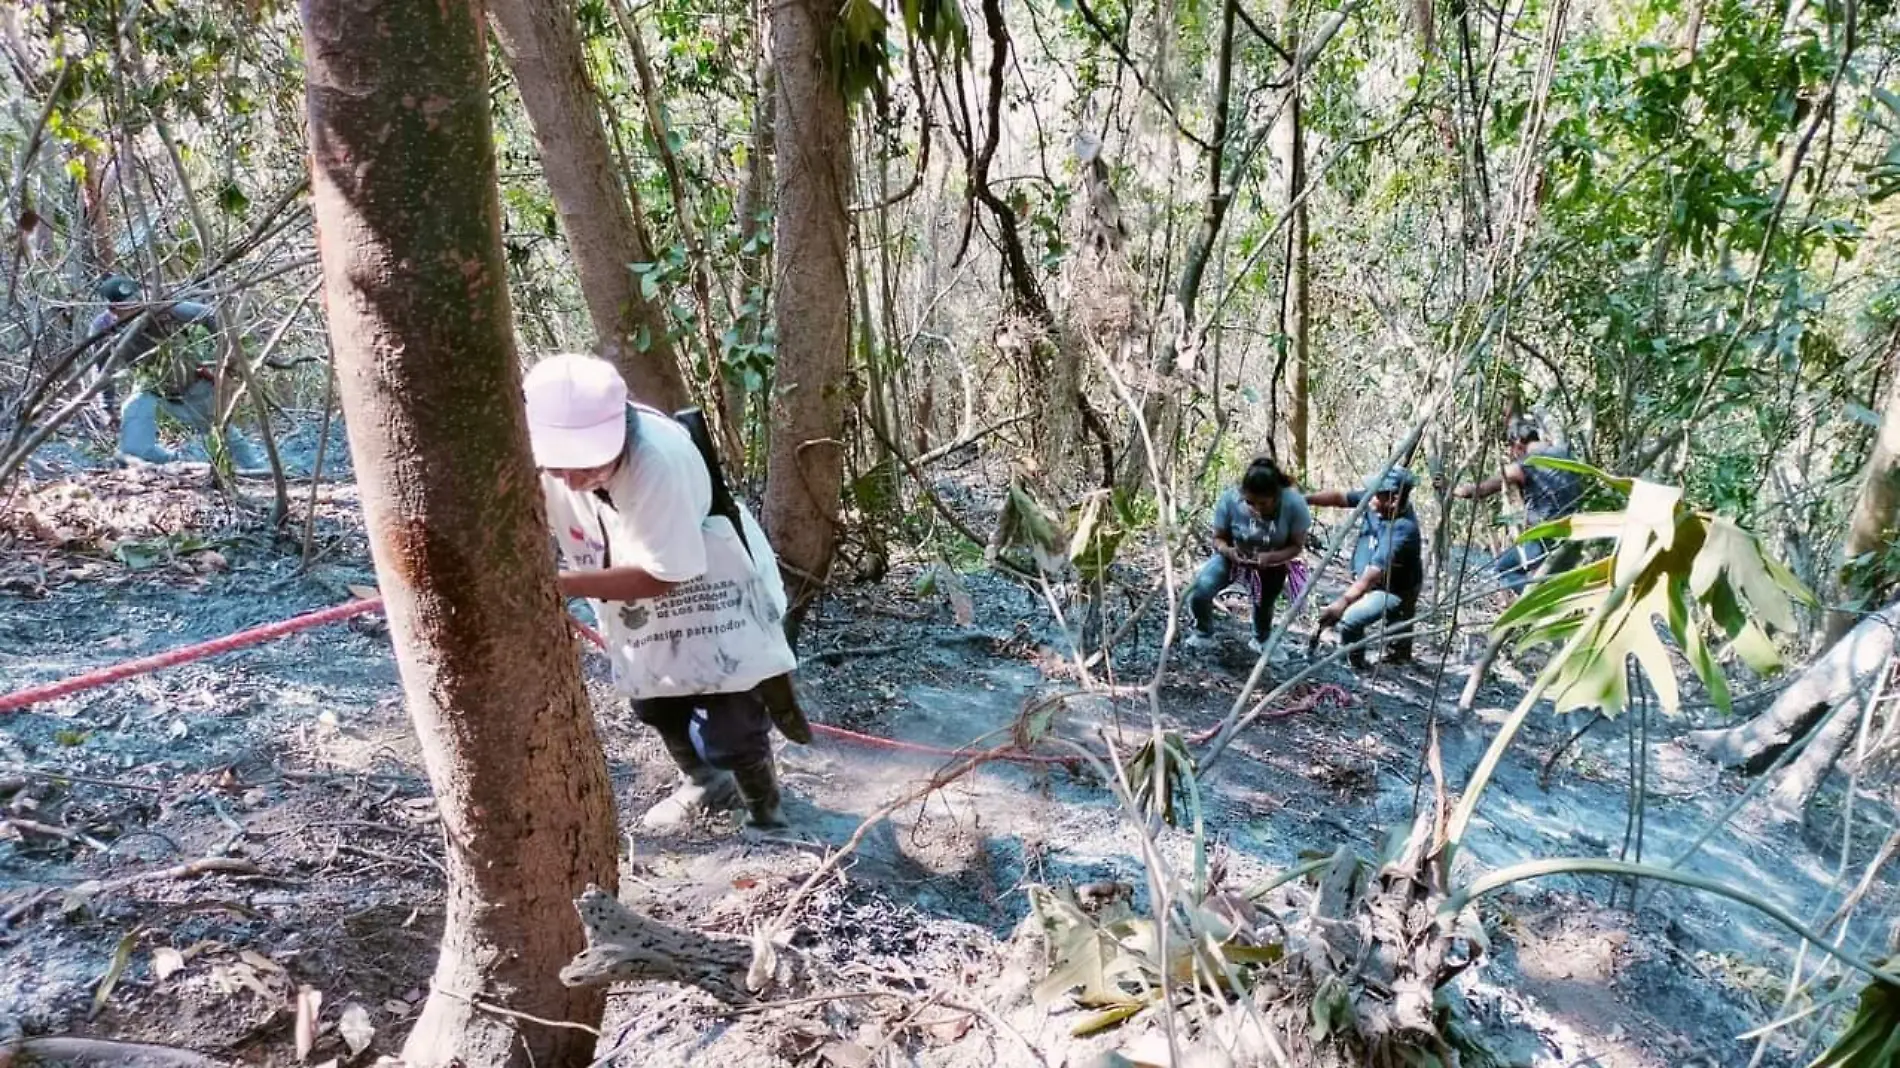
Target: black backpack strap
pixel 723 503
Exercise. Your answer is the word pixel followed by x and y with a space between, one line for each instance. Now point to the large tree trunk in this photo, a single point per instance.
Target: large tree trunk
pixel 813 303
pixel 403 181
pixel 542 42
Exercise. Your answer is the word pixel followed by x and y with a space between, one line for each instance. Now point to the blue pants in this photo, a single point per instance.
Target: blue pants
pixel 1517 564
pixel 196 409
pixel 1379 606
pixel 1218 574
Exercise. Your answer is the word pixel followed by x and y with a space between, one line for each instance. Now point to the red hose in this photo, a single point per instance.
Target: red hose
pixel 185 654
pixel 256 635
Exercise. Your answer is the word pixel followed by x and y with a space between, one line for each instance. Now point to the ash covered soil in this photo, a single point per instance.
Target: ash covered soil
pixel 188 850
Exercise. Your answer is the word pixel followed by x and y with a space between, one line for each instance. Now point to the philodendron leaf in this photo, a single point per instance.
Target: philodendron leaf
pixel 1575 467
pixel 1671 565
pixel 1649 527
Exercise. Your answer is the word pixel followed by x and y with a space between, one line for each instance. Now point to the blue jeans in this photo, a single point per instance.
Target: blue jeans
pixel 196 409
pixel 1218 574
pixel 1379 606
pixel 1517 564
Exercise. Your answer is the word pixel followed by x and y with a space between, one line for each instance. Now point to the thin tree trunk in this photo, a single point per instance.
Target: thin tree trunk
pixel 1295 317
pixel 542 42
pixel 716 386
pixel 403 178
pixel 1289 151
pixel 812 304
pixel 755 229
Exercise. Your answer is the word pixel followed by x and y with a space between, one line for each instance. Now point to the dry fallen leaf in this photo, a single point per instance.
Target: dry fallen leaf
pixel 259 961
pixel 309 1002
pixel 846 1055
pixel 355 1027
pixel 948 1029
pixel 166 962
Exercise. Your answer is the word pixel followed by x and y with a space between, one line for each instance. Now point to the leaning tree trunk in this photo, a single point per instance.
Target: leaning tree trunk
pixel 1854 651
pixel 806 459
pixel 1848 672
pixel 542 41
pixel 403 181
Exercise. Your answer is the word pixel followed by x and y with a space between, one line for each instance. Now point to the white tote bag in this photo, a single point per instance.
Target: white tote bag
pixel 722 632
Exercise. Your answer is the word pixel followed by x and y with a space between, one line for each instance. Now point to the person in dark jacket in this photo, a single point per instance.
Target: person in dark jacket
pixel 169 375
pixel 1548 494
pixel 1388 566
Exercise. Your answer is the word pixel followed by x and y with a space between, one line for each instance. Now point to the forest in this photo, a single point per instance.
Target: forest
pixel 1233 532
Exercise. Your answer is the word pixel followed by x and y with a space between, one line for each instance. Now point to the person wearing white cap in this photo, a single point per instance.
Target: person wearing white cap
pixel 630 500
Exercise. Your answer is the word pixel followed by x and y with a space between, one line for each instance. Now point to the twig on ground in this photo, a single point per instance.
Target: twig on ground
pixel 512 1014
pixel 628 1036
pixel 833 656
pixel 64 777
pixel 27 906
pixel 815 999
pixel 106 1054
pixel 1000 1025
pixel 371 854
pixel 26 826
pixel 191 870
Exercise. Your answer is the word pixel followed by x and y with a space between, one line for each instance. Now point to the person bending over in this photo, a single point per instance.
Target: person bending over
pixel 630 502
pixel 1548 494
pixel 1260 528
pixel 169 375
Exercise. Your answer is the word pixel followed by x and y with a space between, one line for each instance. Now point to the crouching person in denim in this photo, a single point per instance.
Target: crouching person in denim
pixel 1388 568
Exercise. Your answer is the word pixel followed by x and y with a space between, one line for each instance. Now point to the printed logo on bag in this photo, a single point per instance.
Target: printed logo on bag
pixel 633 616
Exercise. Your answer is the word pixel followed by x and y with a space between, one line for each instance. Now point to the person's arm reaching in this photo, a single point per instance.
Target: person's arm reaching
pixel 1490 487
pixel 614 584
pixel 1330 499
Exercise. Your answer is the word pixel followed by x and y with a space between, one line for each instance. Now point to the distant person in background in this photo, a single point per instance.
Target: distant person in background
pixel 170 373
pixel 1548 494
pixel 1260 529
pixel 1388 567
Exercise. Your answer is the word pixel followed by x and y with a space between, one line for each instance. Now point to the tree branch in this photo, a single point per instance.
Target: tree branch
pixel 1121 52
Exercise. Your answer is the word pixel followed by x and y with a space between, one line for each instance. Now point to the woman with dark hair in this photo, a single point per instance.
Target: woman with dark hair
pixel 1260 530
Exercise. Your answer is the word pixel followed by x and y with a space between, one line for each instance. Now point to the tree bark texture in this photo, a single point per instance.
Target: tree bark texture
pixel 542 42
pixel 403 183
pixel 811 260
pixel 1876 512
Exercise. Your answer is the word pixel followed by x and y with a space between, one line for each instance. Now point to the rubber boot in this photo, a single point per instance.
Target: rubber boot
pixel 758 787
pixel 704 788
